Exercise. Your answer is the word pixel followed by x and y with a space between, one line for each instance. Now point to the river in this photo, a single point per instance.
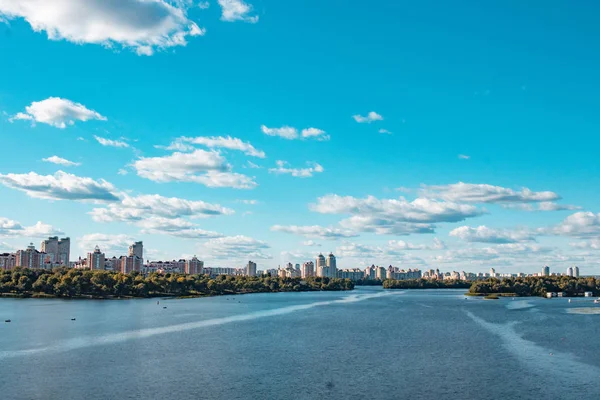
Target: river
pixel 364 344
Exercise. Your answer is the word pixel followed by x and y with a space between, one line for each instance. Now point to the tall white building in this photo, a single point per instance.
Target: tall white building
pixel 546 271
pixel 251 268
pixel 331 266
pixel 320 265
pixel 570 271
pixel 576 272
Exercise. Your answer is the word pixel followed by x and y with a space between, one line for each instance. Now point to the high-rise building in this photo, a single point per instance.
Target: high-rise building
pixel 58 251
pixel 8 261
pixel 331 265
pixel 570 271
pixel 130 264
pixel 546 271
pixel 320 265
pixel 308 269
pixel 96 260
pixel 381 273
pixel 194 266
pixel 576 272
pixel 30 258
pixel 251 268
pixel 137 249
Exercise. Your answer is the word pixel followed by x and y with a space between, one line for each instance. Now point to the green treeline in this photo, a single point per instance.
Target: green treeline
pixel 425 284
pixel 537 286
pixel 73 283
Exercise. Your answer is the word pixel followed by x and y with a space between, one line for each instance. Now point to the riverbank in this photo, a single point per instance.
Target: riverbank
pixel 86 284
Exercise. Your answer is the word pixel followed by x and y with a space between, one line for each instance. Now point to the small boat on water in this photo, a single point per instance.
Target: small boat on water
pixel 72 319
pixel 164 307
pixel 7 320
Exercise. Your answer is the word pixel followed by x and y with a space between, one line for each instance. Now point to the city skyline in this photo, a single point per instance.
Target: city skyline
pixel 220 131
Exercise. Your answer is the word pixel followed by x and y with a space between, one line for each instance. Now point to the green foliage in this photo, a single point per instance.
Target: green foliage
pixel 537 286
pixel 425 284
pixel 65 282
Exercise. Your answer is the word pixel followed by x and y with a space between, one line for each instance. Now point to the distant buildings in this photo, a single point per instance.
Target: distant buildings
pixel 307 270
pixel 30 258
pixel 251 268
pixel 96 260
pixel 8 261
pixel 196 267
pixel 326 267
pixel 570 271
pixel 58 251
pixel 137 250
pixel 546 271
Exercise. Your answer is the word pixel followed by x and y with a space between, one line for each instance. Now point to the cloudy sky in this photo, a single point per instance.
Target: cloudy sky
pixel 418 134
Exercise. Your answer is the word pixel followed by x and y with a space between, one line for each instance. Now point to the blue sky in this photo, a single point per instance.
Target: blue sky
pixel 480 151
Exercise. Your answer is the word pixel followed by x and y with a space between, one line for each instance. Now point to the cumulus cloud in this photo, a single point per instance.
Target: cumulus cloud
pixel 283 168
pixel 393 216
pixel 57 112
pixel 111 143
pixel 315 133
pixel 286 132
pixel 402 245
pixel 141 25
pixel 385 131
pixel 236 248
pixel 226 142
pixel 205 167
pixel 177 227
pixel 314 231
pixel 111 245
pixel 10 228
pixel 370 117
pixel 500 254
pixel 592 244
pixel 60 161
pixel 311 243
pixel 237 10
pixel 483 234
pixel 138 208
pixel 580 224
pixel 483 193
pixel 543 206
pixel 61 186
pixel 368 255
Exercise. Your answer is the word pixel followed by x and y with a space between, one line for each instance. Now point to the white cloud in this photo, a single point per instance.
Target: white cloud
pixel 253 166
pixel 203 5
pixel 370 117
pixel 139 208
pixel 61 186
pixel 60 161
pixel 483 234
pixel 580 224
pixel 205 167
pixel 283 168
pixel 236 248
pixel 176 227
pixel 316 133
pixel 314 231
pixel 57 112
pixel 592 244
pixel 10 228
pixel 543 206
pixel 144 26
pixel 249 202
pixel 228 142
pixel 237 10
pixel 483 193
pixel 385 131
pixel 122 171
pixel 286 132
pixel 402 245
pixel 111 143
pixel 111 245
pixel 393 216
pixel 311 243
pixel 464 157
